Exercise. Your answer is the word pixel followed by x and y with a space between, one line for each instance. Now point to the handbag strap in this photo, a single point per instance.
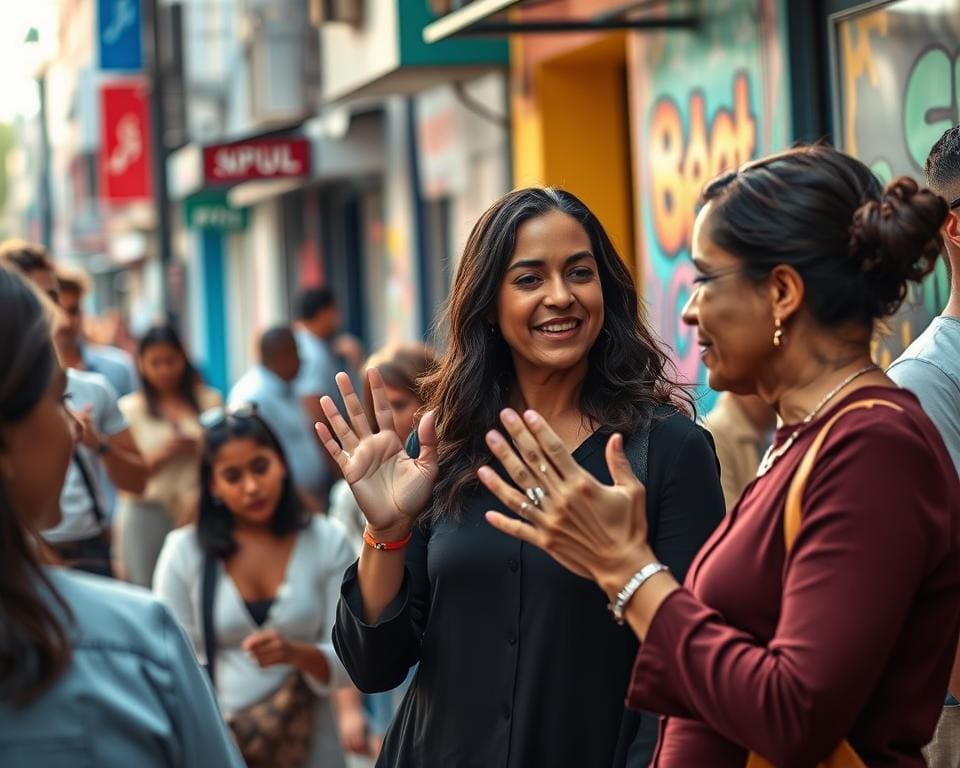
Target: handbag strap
pixel 793 512
pixel 91 488
pixel 208 586
pixel 844 755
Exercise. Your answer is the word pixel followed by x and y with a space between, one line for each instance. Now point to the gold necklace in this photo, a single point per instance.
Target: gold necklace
pixel 771 455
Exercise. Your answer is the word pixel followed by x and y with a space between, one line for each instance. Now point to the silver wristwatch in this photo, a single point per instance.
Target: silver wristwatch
pixel 618 606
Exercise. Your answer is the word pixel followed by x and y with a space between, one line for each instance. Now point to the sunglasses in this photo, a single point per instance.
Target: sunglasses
pixel 215 418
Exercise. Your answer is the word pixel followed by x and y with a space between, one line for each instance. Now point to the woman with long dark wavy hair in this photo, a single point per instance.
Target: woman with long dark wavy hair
pixel 520 664
pixel 90 670
pixel 255 584
pixel 164 420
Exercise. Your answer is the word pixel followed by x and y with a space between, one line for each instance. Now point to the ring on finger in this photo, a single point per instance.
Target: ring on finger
pixel 524 509
pixel 543 469
pixel 345 452
pixel 536 495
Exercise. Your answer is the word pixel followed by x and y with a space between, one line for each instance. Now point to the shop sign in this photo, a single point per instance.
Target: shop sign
pixel 119 35
pixel 214 212
pixel 440 133
pixel 283 158
pixel 125 152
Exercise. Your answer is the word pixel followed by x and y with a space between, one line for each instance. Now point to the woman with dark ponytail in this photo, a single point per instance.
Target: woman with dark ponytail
pixel 818 624
pixel 88 667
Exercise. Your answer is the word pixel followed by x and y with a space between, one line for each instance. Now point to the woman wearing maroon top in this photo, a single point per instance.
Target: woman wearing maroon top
pixel 850 635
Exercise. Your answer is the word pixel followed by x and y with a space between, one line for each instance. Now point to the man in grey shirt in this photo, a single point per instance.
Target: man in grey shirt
pixel 930 366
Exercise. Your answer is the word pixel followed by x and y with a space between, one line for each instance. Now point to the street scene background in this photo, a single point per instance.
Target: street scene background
pixel 301 143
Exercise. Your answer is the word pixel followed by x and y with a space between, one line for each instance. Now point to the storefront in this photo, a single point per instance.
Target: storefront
pixel 634 107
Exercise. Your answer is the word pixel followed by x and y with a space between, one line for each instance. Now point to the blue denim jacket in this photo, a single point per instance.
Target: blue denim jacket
pixel 133 695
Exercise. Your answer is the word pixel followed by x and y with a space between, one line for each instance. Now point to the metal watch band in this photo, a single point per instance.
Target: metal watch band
pixel 619 605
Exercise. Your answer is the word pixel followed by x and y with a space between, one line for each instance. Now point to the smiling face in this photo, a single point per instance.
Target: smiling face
pixel 248 478
pixel 731 315
pixel 549 305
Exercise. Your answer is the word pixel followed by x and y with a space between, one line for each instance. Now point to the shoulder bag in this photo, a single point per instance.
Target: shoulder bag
pixel 843 756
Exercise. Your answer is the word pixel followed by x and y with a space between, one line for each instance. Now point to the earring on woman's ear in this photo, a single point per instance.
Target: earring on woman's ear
pixel 778 337
pixel 492 328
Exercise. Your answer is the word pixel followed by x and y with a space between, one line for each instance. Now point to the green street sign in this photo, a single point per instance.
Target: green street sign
pixel 212 211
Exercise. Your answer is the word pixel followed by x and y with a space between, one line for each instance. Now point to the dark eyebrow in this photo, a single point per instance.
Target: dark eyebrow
pixel 535 263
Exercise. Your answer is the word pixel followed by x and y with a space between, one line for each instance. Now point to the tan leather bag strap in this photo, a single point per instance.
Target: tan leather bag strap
pixel 793 513
pixel 844 755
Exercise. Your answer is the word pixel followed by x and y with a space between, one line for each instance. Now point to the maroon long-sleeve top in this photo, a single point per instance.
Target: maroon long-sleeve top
pixel 852 635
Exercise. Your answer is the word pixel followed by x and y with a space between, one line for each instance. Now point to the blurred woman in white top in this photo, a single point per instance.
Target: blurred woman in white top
pixel 91 670
pixel 277 571
pixel 164 419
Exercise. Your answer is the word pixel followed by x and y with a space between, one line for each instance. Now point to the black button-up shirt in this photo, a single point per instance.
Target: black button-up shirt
pixel 520 663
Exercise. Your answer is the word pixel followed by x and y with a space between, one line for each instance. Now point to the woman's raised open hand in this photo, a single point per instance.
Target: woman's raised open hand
pixel 391 488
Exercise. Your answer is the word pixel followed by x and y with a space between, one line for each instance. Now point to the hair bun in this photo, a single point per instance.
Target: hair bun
pixel 896 239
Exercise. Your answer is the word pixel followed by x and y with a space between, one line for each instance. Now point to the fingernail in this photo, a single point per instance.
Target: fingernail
pixel 531 417
pixel 484 473
pixel 509 415
pixel 494 437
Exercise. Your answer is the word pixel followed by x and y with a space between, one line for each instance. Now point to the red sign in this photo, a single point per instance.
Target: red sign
pixel 283 158
pixel 125 152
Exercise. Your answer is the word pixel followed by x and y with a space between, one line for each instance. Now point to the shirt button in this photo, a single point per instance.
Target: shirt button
pixel 506 712
pixel 512 638
pixel 513 565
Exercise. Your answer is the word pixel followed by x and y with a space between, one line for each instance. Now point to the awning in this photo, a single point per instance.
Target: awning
pixel 477 18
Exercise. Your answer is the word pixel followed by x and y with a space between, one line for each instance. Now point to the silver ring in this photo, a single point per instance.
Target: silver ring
pixel 536 495
pixel 524 509
pixel 345 452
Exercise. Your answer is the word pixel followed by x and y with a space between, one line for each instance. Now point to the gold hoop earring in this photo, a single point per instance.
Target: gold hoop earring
pixel 778 337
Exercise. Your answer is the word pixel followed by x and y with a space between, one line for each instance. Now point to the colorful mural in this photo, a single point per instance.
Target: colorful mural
pixel 897 85
pixel 706 102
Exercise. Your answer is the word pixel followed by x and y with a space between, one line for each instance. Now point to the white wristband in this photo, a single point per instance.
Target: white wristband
pixel 619 605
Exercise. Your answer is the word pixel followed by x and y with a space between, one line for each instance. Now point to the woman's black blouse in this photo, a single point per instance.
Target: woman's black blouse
pixel 520 663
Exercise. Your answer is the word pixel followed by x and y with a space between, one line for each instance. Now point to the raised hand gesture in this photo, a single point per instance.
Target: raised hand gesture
pixel 391 488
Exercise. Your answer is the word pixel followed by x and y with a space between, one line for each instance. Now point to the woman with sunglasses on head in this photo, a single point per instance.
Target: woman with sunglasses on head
pixel 821 619
pixel 255 584
pixel 519 664
pixel 164 420
pixel 90 669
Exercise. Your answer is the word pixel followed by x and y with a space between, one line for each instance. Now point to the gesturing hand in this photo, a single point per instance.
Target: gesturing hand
pixel 267 647
pixel 89 436
pixel 390 487
pixel 597 531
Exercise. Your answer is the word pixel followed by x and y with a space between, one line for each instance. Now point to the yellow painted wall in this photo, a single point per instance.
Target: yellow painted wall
pixel 571 130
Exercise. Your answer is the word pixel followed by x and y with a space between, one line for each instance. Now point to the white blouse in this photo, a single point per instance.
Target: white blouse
pixel 304 609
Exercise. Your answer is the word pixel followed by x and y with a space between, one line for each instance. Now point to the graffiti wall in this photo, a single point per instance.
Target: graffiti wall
pixel 897 86
pixel 706 102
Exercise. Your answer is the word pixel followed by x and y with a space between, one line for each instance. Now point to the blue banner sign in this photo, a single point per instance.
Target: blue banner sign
pixel 119 35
